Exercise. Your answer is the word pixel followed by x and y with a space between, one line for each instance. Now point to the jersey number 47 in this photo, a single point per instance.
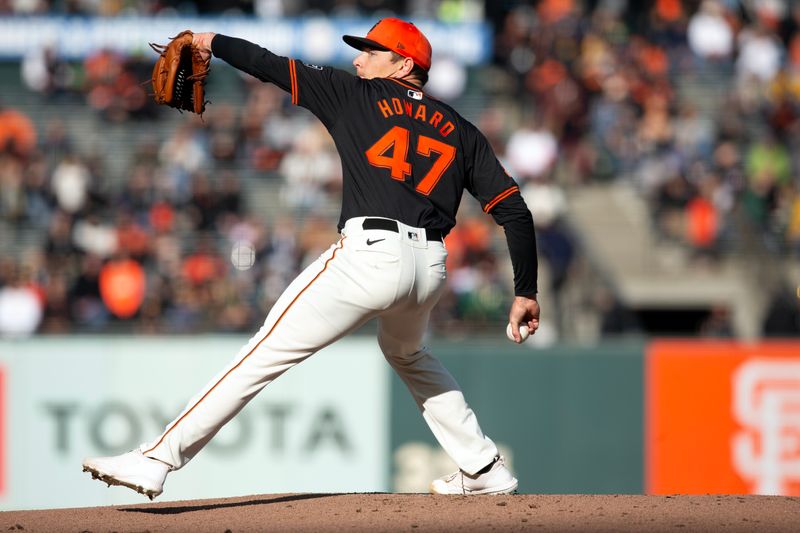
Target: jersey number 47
pixel 397 140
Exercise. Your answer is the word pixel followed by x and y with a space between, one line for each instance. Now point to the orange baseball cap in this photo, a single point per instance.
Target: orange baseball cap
pixel 398 36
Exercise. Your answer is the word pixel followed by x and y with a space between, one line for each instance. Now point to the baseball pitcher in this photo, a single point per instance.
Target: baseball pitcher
pixel 406 160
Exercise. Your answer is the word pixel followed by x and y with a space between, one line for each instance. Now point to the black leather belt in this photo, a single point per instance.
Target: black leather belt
pixel 391 225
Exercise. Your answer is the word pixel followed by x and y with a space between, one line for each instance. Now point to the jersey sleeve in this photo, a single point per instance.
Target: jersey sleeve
pixel 324 91
pixel 499 196
pixel 486 179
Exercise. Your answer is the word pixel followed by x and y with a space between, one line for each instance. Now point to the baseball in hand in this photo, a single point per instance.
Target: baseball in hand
pixel 523 332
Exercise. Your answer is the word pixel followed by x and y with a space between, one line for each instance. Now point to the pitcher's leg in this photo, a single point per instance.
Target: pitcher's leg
pixel 310 314
pixel 436 392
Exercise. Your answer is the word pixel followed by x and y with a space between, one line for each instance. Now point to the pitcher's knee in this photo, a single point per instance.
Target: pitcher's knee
pixel 398 352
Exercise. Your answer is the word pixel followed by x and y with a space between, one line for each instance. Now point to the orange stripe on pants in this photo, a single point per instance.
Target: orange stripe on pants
pixel 188 411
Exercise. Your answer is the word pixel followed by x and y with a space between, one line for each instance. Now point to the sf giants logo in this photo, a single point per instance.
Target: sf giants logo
pixel 766 401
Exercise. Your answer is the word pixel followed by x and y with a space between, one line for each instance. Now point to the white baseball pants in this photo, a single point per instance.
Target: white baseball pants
pixel 395 276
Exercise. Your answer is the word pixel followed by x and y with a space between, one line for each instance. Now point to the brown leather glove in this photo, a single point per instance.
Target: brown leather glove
pixel 179 75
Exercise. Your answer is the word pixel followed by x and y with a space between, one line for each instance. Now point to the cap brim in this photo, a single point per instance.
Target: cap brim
pixel 359 43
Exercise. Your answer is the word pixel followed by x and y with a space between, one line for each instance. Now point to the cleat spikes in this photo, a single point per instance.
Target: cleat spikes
pixel 131 470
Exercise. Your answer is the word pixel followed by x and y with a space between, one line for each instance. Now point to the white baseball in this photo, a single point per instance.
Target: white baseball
pixel 523 332
pixel 243 255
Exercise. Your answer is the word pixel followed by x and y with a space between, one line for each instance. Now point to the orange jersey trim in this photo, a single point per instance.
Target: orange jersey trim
pixel 187 413
pixel 404 84
pixel 500 197
pixel 293 79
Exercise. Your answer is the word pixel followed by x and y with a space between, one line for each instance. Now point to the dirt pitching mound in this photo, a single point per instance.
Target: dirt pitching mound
pixel 422 512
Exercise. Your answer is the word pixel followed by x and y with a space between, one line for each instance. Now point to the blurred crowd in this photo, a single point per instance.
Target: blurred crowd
pixel 444 9
pixel 693 103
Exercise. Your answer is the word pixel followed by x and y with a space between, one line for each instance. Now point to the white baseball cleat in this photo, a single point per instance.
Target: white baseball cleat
pixel 496 480
pixel 132 470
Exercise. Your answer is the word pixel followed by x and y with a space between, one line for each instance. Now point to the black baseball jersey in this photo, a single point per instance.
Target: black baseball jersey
pixel 405 155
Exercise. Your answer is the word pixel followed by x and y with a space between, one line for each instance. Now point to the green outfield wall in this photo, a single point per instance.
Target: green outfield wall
pixel 569 419
pixel 665 416
pixel 322 427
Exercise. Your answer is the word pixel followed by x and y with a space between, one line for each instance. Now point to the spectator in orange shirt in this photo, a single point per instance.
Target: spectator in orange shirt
pixel 203 265
pixel 17 132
